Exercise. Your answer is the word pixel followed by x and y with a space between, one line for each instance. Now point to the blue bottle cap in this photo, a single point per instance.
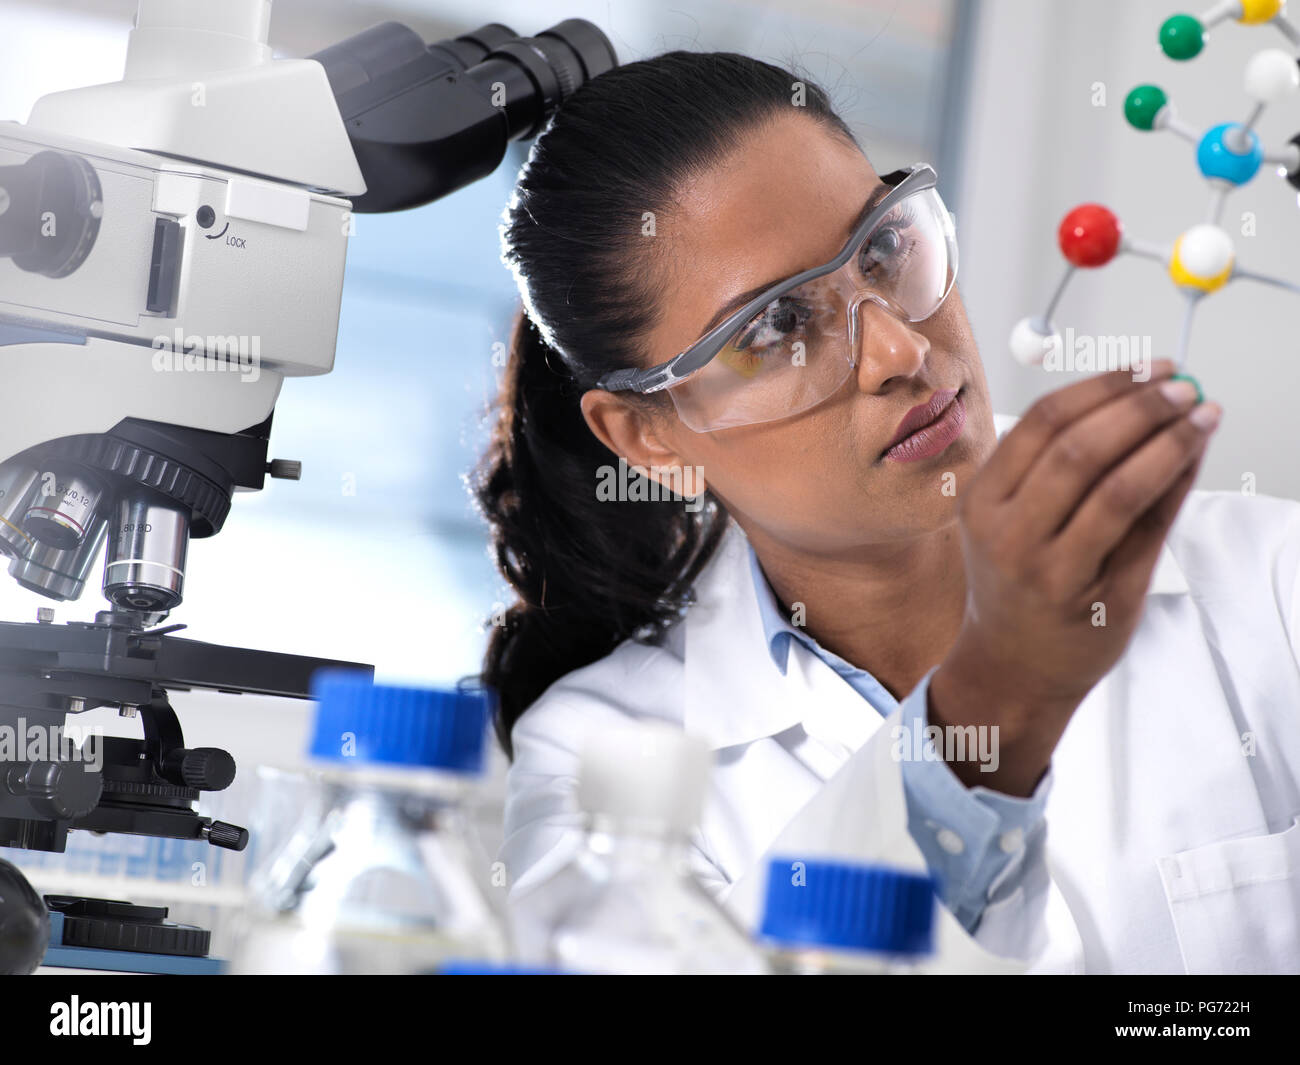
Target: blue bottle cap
pixel 358 721
pixel 474 967
pixel 848 906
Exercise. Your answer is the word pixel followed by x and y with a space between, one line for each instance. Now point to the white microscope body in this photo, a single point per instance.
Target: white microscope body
pixel 195 261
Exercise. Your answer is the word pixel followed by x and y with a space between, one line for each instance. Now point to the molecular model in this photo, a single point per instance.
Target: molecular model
pixel 1202 260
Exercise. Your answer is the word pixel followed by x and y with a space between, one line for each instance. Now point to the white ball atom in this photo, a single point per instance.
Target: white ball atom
pixel 1271 75
pixel 1029 344
pixel 1205 251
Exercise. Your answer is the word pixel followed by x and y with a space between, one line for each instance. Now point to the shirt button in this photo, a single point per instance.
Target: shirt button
pixel 950 841
pixel 1012 841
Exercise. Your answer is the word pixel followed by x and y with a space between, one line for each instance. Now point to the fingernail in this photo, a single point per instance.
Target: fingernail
pixel 1179 393
pixel 1200 396
pixel 1206 416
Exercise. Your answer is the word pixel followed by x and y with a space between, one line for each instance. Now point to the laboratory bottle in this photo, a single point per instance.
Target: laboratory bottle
pixel 379 875
pixel 626 902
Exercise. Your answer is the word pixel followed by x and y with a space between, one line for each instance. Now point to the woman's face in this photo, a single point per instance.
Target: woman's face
pixel 816 481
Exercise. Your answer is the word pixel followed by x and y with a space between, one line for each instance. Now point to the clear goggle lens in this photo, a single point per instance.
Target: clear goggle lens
pixel 803 345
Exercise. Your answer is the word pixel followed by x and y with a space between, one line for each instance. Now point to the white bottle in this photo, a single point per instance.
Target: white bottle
pixel 626 902
pixel 378 875
pixel 831 917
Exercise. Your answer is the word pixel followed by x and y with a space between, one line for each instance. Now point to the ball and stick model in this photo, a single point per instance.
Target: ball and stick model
pixel 1202 259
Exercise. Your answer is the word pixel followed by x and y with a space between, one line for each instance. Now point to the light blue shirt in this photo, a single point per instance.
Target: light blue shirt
pixel 973 839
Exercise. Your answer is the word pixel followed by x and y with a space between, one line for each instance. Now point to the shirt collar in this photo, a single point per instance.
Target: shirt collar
pixel 780 631
pixel 777 629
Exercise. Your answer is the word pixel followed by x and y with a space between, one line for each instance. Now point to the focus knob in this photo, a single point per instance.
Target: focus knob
pixel 205 768
pixel 58 790
pixel 285 469
pixel 231 837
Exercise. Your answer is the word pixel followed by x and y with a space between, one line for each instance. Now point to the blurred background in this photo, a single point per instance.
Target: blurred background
pixel 377 555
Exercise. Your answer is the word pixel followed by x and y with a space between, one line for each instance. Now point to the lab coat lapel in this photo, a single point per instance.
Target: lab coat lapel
pixel 734 691
pixel 837 719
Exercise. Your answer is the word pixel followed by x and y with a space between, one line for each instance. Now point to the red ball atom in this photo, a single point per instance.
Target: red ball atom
pixel 1089 235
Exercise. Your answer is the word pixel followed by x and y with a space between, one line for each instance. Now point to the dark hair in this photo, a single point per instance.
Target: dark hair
pixel 591 573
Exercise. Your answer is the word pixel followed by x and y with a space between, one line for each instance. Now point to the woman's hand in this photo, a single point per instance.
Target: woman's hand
pixel 1061 530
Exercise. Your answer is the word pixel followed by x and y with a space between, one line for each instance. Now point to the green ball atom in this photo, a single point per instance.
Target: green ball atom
pixel 1182 37
pixel 1143 104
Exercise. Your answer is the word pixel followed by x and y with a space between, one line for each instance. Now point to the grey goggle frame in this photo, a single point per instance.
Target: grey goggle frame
pixel 666 374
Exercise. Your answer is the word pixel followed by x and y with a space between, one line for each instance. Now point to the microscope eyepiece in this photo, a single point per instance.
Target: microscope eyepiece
pixel 558 61
pixel 426 121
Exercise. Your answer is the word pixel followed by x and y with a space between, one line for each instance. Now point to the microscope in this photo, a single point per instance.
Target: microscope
pixel 172 248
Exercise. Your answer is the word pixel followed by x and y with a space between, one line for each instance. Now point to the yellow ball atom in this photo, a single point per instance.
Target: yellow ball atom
pixel 1202 259
pixel 1253 12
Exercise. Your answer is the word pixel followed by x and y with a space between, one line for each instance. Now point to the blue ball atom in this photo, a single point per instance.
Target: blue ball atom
pixel 1219 157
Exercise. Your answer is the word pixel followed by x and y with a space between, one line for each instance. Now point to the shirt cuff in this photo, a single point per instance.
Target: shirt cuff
pixel 974 839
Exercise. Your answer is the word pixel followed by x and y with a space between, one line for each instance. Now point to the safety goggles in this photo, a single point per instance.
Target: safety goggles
pixel 793 345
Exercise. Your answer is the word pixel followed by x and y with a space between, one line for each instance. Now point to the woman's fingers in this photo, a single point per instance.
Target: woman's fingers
pixel 1081 455
pixel 1049 416
pixel 1127 571
pixel 1132 497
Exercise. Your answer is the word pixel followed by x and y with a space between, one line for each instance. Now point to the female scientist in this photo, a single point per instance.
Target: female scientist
pixel 721 291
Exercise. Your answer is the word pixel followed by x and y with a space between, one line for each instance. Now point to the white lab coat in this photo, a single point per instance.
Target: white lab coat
pixel 1173 824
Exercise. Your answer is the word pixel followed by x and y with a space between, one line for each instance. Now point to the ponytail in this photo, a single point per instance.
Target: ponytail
pixel 588 572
